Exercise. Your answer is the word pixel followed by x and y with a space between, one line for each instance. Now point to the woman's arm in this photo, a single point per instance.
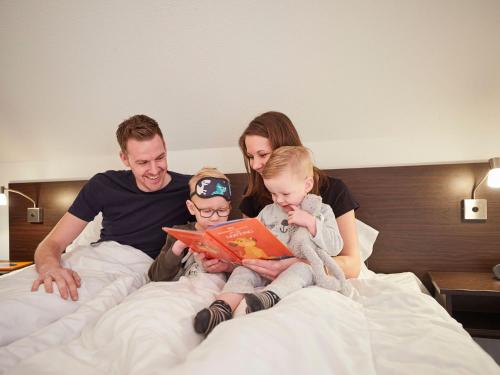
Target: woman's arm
pixel 349 259
pixel 270 269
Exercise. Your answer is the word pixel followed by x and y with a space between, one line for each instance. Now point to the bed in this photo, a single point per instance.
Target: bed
pixel 390 324
pixel 124 325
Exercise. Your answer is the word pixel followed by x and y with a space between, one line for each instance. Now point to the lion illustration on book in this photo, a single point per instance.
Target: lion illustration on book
pixel 249 246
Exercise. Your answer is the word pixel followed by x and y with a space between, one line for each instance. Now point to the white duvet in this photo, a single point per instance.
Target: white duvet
pixel 34 321
pixel 387 327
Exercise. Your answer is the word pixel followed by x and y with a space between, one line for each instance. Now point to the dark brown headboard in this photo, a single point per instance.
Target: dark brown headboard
pixel 416 209
pixel 55 199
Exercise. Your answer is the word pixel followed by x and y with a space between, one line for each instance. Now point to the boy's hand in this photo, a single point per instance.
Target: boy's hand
pixel 301 218
pixel 214 265
pixel 178 247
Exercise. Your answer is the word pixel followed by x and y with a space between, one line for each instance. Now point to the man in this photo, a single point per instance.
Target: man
pixel 135 204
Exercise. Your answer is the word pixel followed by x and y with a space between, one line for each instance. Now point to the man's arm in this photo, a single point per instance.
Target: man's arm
pixel 48 258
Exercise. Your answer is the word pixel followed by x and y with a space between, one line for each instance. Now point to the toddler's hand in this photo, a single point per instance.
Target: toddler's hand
pixel 302 218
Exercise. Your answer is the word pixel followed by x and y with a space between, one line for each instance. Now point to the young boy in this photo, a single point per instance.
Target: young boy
pixel 210 203
pixel 288 175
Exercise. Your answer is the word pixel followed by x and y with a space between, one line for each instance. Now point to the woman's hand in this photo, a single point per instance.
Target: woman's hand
pixel 270 269
pixel 214 265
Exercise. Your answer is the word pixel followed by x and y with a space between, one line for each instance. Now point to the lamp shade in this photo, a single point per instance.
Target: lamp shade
pixel 494 173
pixel 494 178
pixel 3 200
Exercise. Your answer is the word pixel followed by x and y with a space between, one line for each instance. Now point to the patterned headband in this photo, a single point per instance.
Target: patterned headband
pixel 208 187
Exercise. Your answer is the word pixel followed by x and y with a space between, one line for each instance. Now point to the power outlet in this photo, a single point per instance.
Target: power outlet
pixel 475 209
pixel 35 215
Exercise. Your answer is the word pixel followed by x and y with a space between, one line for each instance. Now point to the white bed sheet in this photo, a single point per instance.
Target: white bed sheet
pixel 388 327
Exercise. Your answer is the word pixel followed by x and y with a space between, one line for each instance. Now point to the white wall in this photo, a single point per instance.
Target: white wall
pixel 344 71
pixel 366 83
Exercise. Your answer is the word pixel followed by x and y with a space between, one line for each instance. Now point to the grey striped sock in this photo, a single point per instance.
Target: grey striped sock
pixel 261 301
pixel 207 319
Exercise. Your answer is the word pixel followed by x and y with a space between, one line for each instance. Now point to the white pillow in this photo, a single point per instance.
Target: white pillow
pixel 366 238
pixel 91 233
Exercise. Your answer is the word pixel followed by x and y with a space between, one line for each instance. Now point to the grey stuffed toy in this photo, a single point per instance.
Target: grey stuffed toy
pixel 319 259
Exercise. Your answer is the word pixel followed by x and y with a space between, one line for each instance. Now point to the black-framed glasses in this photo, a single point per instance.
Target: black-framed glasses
pixel 207 213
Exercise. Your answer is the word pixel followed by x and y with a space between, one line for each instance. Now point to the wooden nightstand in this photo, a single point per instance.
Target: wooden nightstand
pixel 472 298
pixel 8 265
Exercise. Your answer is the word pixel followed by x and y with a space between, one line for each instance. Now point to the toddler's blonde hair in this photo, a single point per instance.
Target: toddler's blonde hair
pixel 296 159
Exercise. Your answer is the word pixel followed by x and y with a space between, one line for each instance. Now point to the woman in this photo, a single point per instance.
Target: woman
pixel 264 134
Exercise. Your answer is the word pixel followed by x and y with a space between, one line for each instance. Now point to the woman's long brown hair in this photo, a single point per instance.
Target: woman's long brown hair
pixel 279 130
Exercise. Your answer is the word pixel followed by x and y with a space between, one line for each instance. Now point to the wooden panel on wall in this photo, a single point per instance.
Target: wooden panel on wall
pixel 53 197
pixel 416 209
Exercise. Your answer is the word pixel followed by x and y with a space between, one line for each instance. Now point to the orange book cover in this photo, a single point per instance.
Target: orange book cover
pixel 234 240
pixel 6 266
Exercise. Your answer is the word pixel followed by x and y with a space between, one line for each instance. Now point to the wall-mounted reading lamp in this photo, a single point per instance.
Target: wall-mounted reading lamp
pixel 476 209
pixel 35 214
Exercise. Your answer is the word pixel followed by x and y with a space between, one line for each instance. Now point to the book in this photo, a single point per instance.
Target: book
pixel 7 266
pixel 233 241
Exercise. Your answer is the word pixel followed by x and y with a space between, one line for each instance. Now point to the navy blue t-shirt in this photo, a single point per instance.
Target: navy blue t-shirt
pixel 131 216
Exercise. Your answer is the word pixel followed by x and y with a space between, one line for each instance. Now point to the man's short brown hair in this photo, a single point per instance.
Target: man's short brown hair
pixel 139 127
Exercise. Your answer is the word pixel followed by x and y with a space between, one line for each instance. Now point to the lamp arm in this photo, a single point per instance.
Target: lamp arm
pixel 475 187
pixel 24 195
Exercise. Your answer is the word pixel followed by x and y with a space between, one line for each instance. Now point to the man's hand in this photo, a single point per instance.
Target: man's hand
pixel 270 269
pixel 48 258
pixel 67 281
pixel 214 265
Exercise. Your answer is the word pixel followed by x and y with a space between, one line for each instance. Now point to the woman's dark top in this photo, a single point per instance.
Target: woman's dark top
pixel 335 193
